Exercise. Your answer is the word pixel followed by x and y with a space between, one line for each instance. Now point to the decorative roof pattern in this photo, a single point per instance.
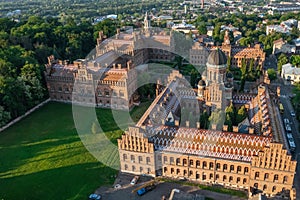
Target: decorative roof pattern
pixel 227 145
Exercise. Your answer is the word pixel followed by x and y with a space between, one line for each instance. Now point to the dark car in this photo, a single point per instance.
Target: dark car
pixel 94 197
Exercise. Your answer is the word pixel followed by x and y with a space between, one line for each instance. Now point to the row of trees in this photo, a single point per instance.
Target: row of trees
pixel 23 53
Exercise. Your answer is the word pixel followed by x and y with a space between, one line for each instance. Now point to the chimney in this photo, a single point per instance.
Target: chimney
pixel 198 125
pixel 187 124
pixel 114 66
pixel 251 130
pixel 214 127
pixel 128 65
pixel 176 122
pixel 163 122
pixel 225 128
pixel 235 129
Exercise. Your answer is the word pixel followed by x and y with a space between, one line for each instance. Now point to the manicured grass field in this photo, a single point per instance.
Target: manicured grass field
pixel 42 156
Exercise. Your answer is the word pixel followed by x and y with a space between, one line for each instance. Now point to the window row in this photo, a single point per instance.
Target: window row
pixel 204 176
pixel 275 178
pixel 205 165
pixel 137 169
pixel 138 158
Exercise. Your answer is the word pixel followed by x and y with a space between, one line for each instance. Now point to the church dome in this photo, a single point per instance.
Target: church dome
pixel 201 83
pixel 217 57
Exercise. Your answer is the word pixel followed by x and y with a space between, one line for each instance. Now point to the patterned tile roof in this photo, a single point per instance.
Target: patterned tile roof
pixel 201 142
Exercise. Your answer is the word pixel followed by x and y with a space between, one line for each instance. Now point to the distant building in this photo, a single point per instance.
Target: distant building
pixel 236 53
pixel 290 73
pixel 281 46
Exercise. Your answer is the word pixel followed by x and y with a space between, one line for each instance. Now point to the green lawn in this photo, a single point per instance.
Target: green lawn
pixel 42 156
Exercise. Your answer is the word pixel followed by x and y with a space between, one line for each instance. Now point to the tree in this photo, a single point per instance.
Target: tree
pixel 241 115
pixel 202 28
pixel 231 112
pixel 4 117
pixel 282 59
pixel 204 120
pixel 194 75
pixel 217 117
pixel 272 74
pixel 295 60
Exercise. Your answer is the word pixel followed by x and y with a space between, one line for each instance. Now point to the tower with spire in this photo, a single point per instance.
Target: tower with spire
pixel 147 24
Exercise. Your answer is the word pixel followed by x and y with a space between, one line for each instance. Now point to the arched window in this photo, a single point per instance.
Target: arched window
pixel 203 176
pixel 211 176
pixel 256 175
pixel 126 167
pixel 141 169
pixel 133 168
pixel 184 162
pixel 171 160
pixel 274 188
pixel 239 169
pixel 276 177
pixel 265 187
pixel 124 157
pixel 238 179
pixel 191 173
pixel 217 176
pixel 165 159
pixel 184 172
pixel 172 170
pixel 204 164
pixel 230 178
pixel 191 162
pixel 140 159
pixel 266 176
pixel 224 167
pixel 244 181
pixel 255 185
pixel 211 165
pixel 148 160
pixel 285 178
pixel 231 168
pixel 218 166
pixel 224 178
pixel 132 158
pixel 246 170
pixel 197 163
pixel 178 171
pixel 177 161
pixel 165 169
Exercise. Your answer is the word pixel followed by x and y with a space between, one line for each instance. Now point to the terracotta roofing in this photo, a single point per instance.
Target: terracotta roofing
pixel 201 142
pixel 217 57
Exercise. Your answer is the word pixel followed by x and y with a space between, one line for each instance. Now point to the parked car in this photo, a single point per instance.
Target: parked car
pixel 144 190
pixel 94 197
pixel 134 180
pixel 293 114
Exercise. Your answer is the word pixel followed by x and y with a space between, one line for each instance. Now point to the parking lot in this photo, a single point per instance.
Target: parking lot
pixel 162 189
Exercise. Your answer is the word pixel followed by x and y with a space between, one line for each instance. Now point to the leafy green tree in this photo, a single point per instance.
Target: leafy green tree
pixel 4 116
pixel 217 117
pixel 295 60
pixel 282 59
pixel 241 114
pixel 231 112
pixel 202 28
pixel 272 74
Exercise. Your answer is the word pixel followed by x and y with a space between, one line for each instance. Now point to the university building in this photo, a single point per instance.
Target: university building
pixel 176 148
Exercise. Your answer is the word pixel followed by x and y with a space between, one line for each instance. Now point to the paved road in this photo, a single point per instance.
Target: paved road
pixel 285 93
pixel 162 189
